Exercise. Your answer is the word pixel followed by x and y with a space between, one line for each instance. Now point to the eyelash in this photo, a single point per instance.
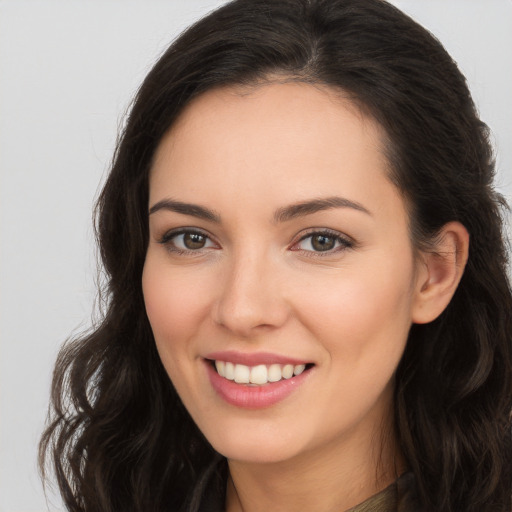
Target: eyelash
pixel 343 243
pixel 168 238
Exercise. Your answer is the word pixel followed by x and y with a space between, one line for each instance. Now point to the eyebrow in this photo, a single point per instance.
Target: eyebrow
pixel 194 210
pixel 316 205
pixel 283 214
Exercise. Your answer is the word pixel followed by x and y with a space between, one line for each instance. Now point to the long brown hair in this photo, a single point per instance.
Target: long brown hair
pixel 119 438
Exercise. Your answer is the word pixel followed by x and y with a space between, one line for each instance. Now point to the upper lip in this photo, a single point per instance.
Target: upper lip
pixel 254 358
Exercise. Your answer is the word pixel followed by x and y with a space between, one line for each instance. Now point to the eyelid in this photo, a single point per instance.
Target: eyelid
pixel 169 235
pixel 345 241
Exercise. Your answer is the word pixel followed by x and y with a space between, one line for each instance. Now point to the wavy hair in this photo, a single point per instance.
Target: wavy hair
pixel 119 438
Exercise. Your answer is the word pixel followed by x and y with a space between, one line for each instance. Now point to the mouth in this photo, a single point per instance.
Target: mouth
pixel 256 380
pixel 258 375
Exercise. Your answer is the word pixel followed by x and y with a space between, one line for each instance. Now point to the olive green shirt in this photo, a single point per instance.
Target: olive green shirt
pixel 400 496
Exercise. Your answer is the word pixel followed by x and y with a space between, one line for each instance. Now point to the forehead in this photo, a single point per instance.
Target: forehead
pixel 287 141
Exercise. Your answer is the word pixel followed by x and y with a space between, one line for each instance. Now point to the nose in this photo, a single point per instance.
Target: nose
pixel 251 296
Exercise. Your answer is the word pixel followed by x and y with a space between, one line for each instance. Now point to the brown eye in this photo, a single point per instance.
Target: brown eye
pixel 323 242
pixel 187 241
pixel 194 241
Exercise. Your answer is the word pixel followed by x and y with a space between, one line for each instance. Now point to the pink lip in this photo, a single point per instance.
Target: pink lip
pixel 253 359
pixel 253 397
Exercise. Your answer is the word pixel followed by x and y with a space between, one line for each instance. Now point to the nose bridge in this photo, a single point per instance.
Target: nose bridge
pixel 250 295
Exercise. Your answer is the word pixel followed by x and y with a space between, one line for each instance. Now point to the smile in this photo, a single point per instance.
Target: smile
pixel 254 381
pixel 257 375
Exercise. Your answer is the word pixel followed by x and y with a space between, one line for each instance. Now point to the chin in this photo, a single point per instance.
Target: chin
pixel 256 454
pixel 257 447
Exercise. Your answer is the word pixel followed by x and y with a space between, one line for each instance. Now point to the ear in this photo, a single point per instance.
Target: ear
pixel 439 272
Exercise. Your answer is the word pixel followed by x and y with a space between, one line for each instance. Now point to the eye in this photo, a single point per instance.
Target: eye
pixel 322 242
pixel 184 241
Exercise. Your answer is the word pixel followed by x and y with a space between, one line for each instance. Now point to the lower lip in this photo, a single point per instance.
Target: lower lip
pixel 250 396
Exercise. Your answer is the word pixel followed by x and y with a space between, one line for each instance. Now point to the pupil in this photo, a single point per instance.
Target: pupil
pixel 323 242
pixel 194 240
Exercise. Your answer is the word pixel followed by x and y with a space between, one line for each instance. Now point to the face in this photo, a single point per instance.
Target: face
pixel 279 252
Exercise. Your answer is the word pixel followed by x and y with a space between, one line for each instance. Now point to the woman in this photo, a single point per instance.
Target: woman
pixel 308 307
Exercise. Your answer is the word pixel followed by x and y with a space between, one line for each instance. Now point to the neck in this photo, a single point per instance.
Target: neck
pixel 334 478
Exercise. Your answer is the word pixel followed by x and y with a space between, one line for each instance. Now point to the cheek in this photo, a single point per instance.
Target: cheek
pixel 174 306
pixel 361 310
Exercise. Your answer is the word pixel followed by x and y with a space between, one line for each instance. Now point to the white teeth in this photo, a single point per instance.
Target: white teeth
pixel 242 374
pixel 274 373
pixel 260 374
pixel 229 369
pixel 288 371
pixel 297 370
pixel 220 366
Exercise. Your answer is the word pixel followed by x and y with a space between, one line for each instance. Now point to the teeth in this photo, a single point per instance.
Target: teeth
pixel 297 370
pixel 274 373
pixel 220 367
pixel 229 371
pixel 242 374
pixel 260 374
pixel 288 371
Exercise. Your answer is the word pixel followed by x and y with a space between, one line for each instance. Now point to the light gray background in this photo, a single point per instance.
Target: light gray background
pixel 68 70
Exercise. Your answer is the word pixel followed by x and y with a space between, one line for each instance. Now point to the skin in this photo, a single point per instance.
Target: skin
pixel 257 285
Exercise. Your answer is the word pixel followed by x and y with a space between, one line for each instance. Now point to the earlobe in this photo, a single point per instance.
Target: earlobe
pixel 439 272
